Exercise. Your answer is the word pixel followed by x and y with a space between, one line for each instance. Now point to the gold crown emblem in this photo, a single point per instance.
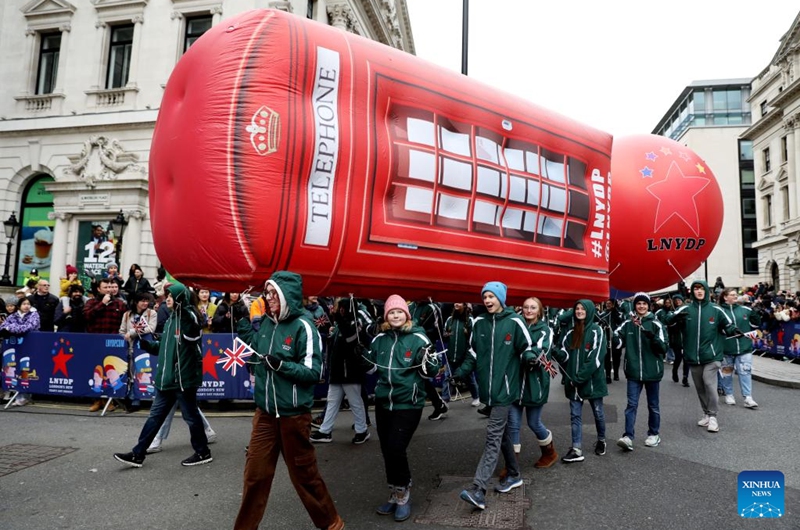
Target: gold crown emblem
pixel 264 131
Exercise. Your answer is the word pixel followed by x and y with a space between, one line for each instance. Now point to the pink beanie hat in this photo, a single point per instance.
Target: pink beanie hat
pixel 395 302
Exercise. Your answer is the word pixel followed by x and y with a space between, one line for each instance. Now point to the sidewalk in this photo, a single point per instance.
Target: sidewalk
pixel 775 372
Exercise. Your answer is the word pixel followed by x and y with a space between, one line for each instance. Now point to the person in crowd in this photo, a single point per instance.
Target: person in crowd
pixel 9 306
pixel 20 322
pixel 139 322
pixel 403 357
pixel 70 279
pixel 457 331
pixel 581 355
pixel 288 345
pixel 346 370
pixel 103 314
pixel 677 331
pixel 45 304
pixel 178 376
pixel 610 318
pixel 703 347
pixel 535 385
pixel 112 273
pixel 428 316
pixel 500 343
pixel 661 314
pixel 229 311
pixel 69 317
pixel 206 308
pixel 136 284
pixel 645 343
pixel 738 355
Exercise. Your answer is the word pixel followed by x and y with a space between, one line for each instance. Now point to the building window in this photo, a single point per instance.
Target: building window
pixel 751 265
pixel 768 210
pixel 763 107
pixel 195 27
pixel 748 177
pixel 119 56
pixel 745 150
pixel 48 63
pixel 748 208
pixel 784 150
pixel 785 202
pixel 310 9
pixel 767 164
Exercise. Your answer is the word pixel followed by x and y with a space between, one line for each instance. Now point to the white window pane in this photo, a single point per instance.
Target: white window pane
pixel 486 149
pixel 484 213
pixel 453 207
pixel 456 174
pixel 549 226
pixel 421 165
pixel 555 170
pixel 488 181
pixel 503 185
pixel 517 189
pixel 455 142
pixel 558 199
pixel 529 222
pixel 532 162
pixel 512 219
pixel 420 131
pixel 545 196
pixel 514 159
pixel 533 192
pixel 419 200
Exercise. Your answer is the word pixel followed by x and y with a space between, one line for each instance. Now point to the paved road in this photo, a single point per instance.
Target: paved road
pixel 688 482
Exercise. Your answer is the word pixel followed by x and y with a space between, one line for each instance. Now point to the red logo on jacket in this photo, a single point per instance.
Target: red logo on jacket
pixel 711 320
pixel 288 341
pixel 508 338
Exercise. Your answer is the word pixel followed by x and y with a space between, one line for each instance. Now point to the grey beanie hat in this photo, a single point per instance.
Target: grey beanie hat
pixel 11 300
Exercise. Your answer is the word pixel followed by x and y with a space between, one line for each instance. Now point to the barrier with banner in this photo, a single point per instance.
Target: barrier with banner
pixel 781 341
pixel 97 365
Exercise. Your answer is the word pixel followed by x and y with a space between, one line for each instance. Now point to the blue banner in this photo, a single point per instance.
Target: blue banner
pixel 783 340
pixel 95 365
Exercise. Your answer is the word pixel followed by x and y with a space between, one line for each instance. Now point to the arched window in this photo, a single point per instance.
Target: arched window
pixel 35 242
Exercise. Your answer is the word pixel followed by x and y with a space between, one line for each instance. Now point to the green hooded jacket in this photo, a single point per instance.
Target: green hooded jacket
pixel 706 325
pixel 536 382
pixel 291 337
pixel 398 357
pixel 180 358
pixel 643 356
pixel 497 345
pixel 583 374
pixel 456 333
pixel 745 319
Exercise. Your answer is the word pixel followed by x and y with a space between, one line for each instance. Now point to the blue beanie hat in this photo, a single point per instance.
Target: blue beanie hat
pixel 498 289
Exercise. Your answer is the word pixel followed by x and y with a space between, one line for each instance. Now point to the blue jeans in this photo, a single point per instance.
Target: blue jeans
pixel 653 416
pixel 670 355
pixel 163 432
pixel 534 417
pixel 575 410
pixel 162 405
pixel 743 365
pixel 497 441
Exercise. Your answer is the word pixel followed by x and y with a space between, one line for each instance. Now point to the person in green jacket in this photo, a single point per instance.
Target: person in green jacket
pixel 457 330
pixel 500 343
pixel 706 325
pixel 288 346
pixel 677 330
pixel 645 343
pixel 404 358
pixel 581 354
pixel 738 354
pixel 178 376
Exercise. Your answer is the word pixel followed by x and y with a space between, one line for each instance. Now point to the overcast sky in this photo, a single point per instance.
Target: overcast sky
pixel 616 65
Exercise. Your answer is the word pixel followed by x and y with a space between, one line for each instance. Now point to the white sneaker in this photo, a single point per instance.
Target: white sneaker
pixel 704 421
pixel 713 426
pixel 155 447
pixel 20 402
pixel 749 403
pixel 652 440
pixel 625 443
pixel 730 400
pixel 476 402
pixel 211 435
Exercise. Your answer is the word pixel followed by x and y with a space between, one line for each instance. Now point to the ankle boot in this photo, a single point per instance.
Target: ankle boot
pixel 388 507
pixel 403 507
pixel 549 455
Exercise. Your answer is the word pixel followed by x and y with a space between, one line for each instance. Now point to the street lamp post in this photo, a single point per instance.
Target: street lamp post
pixel 119 224
pixel 11 226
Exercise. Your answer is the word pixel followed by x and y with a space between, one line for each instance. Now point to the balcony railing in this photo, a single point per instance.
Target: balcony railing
pixel 111 97
pixel 39 103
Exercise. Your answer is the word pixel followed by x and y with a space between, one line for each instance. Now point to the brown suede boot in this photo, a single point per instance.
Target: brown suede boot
pixel 549 455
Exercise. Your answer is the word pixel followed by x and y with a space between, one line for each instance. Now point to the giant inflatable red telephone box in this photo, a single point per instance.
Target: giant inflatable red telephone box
pixel 287 144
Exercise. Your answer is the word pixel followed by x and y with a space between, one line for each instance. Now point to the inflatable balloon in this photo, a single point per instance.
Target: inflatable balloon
pixel 283 143
pixel 667 212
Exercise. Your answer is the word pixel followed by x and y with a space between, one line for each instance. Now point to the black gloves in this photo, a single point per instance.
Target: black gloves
pixel 737 332
pixel 532 364
pixel 272 363
pixel 647 333
pixel 680 316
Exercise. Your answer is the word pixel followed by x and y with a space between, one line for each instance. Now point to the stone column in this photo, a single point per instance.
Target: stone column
pixel 58 254
pixel 216 13
pixel 102 55
pixel 131 240
pixel 61 73
pixel 133 72
pixel 339 15
pixel 791 163
pixel 30 57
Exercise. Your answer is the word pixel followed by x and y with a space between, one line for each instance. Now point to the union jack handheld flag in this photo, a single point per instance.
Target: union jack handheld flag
pixel 235 357
pixel 548 365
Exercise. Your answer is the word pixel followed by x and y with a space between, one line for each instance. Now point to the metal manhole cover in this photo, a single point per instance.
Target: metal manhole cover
pixel 503 510
pixel 15 457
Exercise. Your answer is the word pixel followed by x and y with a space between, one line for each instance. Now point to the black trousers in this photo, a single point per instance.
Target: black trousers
pixel 433 395
pixel 678 359
pixel 613 359
pixel 395 429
